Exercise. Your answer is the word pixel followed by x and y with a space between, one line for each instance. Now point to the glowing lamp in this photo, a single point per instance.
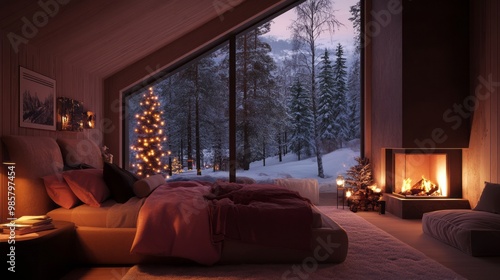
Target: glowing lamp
pixel 340 181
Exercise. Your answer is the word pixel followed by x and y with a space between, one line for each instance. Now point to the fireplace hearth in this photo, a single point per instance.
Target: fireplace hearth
pixel 419 181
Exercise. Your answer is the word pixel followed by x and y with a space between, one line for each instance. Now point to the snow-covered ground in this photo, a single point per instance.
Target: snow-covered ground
pixel 334 163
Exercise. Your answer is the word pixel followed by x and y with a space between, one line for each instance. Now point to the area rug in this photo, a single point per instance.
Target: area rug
pixel 373 254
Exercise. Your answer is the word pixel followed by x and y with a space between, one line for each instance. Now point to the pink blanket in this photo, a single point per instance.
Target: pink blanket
pixel 174 222
pixel 191 219
pixel 261 214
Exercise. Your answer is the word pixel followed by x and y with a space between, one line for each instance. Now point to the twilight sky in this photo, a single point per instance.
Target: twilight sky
pixel 344 34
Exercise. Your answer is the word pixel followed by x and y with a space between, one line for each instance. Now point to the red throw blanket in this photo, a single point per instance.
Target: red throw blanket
pixel 262 214
pixel 191 219
pixel 174 222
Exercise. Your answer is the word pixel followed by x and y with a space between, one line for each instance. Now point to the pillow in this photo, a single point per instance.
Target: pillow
pixel 240 180
pixel 119 181
pixel 145 186
pixel 59 191
pixel 180 178
pixel 490 198
pixel 78 166
pixel 88 185
pixel 307 188
pixel 78 151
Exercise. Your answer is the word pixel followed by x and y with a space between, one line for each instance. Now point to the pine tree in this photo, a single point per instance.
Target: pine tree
pixel 353 101
pixel 353 81
pixel 359 176
pixel 326 102
pixel 256 88
pixel 313 18
pixel 150 155
pixel 339 120
pixel 301 120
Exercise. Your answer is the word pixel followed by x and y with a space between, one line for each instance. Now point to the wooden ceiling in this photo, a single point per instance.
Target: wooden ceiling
pixel 105 36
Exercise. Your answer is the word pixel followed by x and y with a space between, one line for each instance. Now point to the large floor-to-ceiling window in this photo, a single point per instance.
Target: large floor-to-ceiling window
pixel 296 109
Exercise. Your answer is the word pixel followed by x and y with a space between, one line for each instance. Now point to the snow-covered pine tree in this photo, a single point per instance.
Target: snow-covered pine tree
pixel 300 139
pixel 359 176
pixel 353 80
pixel 326 102
pixel 353 101
pixel 339 120
pixel 150 157
pixel 256 118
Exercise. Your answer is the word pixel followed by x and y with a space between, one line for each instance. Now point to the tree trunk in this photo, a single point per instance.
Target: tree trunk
pixel 263 153
pixel 197 122
pixel 247 154
pixel 317 148
pixel 189 140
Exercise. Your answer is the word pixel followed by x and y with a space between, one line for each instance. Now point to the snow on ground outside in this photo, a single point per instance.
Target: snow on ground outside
pixel 334 163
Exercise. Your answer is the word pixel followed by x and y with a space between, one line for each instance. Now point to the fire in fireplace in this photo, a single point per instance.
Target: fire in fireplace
pixel 415 173
pixel 424 187
pixel 421 175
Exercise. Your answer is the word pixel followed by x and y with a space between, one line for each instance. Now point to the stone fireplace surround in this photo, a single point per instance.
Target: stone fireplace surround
pixel 413 208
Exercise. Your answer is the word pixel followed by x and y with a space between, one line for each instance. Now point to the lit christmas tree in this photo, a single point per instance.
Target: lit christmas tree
pixel 150 156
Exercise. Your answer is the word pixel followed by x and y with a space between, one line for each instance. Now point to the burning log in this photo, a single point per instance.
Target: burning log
pixel 423 187
pixel 434 189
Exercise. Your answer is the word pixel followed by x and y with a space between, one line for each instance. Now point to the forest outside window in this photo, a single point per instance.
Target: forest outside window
pixel 298 101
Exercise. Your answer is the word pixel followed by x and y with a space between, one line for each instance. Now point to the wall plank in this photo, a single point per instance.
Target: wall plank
pixel 71 81
pixel 494 96
pixel 482 159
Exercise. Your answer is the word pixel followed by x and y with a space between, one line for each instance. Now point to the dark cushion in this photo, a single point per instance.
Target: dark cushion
pixel 77 151
pixel 77 166
pixel 119 182
pixel 490 198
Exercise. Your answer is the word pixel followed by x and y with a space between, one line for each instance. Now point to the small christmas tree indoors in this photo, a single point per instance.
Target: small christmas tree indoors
pixel 149 154
pixel 359 176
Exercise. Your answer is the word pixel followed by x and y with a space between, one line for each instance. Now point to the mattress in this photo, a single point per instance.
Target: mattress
pixel 110 215
pixel 120 215
pixel 473 232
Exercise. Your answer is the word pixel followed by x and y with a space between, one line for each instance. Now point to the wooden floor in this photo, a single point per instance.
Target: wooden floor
pixel 408 231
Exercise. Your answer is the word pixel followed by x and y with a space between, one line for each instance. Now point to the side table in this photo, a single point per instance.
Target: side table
pixel 41 255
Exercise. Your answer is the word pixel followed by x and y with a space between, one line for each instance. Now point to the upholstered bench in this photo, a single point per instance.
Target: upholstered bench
pixel 475 232
pixel 307 188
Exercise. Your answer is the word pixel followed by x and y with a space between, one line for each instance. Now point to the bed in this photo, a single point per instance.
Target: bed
pixel 116 225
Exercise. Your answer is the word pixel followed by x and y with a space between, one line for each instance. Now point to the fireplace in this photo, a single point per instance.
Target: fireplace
pixel 414 173
pixel 419 181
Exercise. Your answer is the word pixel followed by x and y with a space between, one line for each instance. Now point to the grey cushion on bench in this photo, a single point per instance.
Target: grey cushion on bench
pixel 473 232
pixel 476 231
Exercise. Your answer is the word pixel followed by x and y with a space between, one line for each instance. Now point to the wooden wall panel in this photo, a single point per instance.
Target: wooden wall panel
pixel 495 61
pixel 482 158
pixel 71 82
pixel 385 119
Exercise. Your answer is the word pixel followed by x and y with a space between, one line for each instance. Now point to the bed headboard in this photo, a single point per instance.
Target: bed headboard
pixel 36 157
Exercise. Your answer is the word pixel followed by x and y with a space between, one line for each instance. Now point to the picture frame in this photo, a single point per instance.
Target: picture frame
pixel 37 100
pixel 70 114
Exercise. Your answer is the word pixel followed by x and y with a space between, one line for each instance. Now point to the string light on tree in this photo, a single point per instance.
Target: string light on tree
pixel 150 157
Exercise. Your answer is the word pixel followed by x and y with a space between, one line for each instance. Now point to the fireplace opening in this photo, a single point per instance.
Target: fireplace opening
pixel 415 173
pixel 420 175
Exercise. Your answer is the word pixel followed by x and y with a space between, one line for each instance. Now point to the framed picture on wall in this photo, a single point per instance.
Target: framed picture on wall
pixel 37 99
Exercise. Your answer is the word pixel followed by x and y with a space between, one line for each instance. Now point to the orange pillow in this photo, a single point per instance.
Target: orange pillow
pixel 59 191
pixel 88 185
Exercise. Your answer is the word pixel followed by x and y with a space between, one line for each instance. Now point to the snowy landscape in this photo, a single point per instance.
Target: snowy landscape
pixel 335 163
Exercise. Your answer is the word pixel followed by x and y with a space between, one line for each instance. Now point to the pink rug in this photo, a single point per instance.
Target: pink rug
pixel 373 254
